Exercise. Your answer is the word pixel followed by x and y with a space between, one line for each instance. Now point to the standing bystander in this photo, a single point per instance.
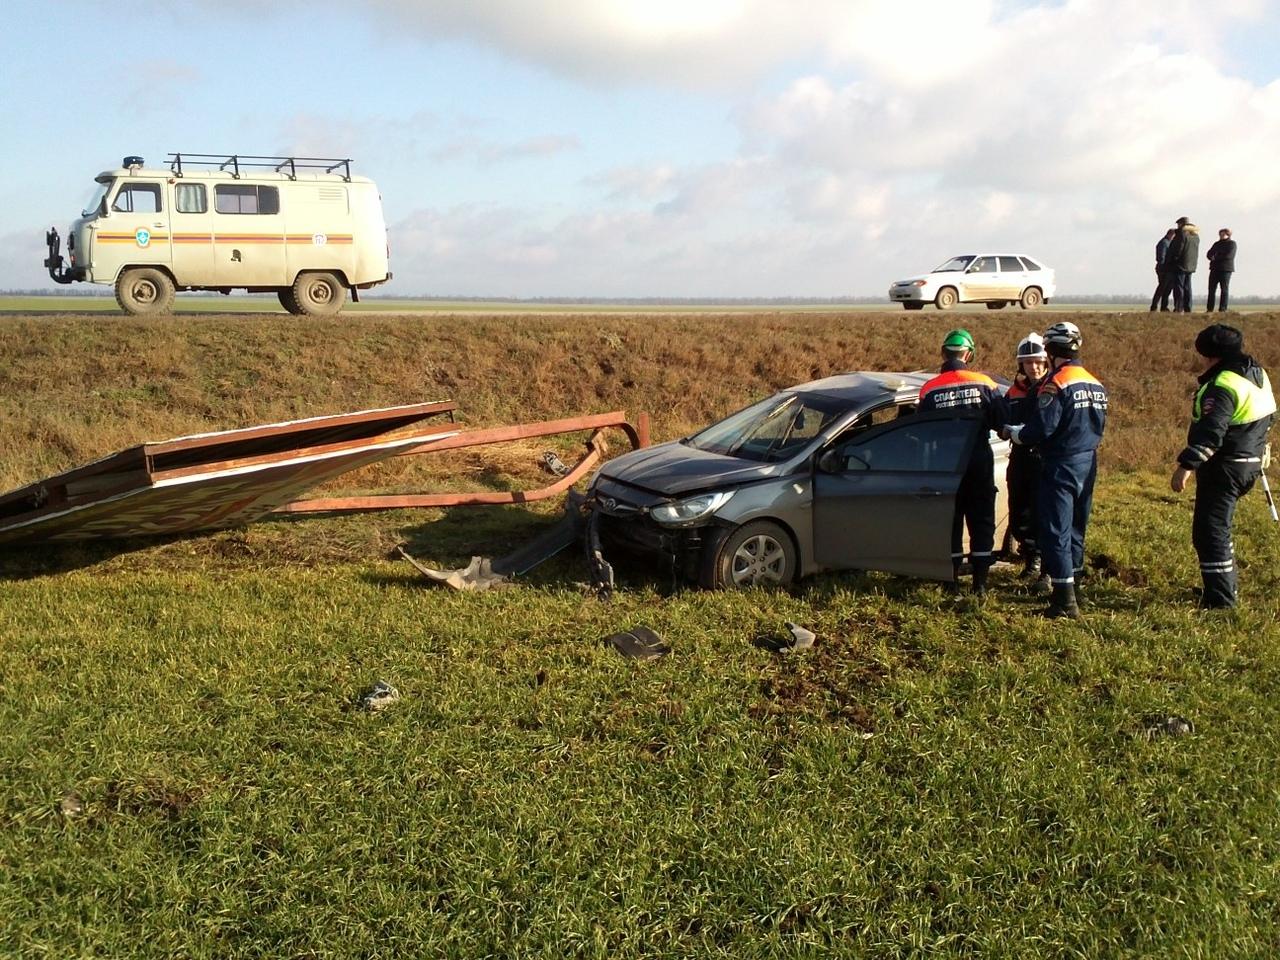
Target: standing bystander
pixel 1164 279
pixel 1183 258
pixel 1222 263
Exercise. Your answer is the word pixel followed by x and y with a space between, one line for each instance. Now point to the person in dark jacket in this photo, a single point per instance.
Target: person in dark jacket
pixel 969 393
pixel 1023 475
pixel 1222 263
pixel 1230 416
pixel 1183 258
pixel 1164 279
pixel 1067 423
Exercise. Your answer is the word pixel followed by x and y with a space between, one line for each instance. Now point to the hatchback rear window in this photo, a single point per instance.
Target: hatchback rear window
pixel 1030 264
pixel 1011 265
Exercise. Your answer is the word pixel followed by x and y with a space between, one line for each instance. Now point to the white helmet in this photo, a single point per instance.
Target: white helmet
pixel 1063 339
pixel 1031 347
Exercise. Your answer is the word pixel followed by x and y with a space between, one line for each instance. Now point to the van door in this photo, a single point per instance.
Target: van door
pixel 887 498
pixel 192 222
pixel 248 235
pixel 136 228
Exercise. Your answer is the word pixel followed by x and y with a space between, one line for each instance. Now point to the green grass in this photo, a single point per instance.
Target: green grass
pixel 934 779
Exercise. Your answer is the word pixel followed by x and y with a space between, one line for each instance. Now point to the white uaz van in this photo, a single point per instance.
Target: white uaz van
pixel 302 228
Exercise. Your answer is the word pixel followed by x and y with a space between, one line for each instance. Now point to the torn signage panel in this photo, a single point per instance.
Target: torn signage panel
pixel 213 480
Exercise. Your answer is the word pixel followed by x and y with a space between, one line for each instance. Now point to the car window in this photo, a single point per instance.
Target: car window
pixel 246 198
pixel 190 198
pixel 1030 264
pixel 138 198
pixel 1010 265
pixel 984 265
pixel 874 418
pixel 772 429
pixel 917 446
pixel 954 265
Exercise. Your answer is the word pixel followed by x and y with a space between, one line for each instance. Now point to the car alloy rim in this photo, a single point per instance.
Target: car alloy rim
pixel 759 559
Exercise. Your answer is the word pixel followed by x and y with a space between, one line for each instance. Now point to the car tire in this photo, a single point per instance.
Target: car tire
pixel 287 300
pixel 1032 297
pixel 997 304
pixel 318 294
pixel 144 291
pixel 947 298
pixel 759 553
pixel 913 306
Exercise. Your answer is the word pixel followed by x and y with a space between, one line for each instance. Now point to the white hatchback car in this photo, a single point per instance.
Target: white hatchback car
pixel 994 279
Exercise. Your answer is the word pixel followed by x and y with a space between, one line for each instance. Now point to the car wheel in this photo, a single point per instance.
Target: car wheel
pixel 288 301
pixel 319 294
pixel 759 553
pixel 144 291
pixel 913 306
pixel 947 298
pixel 997 304
pixel 1031 298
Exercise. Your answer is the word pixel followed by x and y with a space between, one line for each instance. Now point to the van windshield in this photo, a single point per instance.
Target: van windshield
pixel 94 205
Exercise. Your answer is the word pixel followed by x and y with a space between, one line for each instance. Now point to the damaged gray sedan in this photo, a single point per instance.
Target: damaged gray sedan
pixel 838 474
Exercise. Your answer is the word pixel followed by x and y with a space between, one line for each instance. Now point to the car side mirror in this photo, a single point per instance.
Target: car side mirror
pixel 830 461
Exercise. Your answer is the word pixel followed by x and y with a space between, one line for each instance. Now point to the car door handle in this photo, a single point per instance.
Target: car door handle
pixel 158 223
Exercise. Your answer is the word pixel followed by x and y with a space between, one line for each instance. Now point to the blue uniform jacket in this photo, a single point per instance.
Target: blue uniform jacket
pixel 1070 413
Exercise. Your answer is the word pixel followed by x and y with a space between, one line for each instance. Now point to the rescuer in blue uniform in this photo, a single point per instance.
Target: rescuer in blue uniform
pixel 1230 416
pixel 1066 424
pixel 970 394
pixel 1023 475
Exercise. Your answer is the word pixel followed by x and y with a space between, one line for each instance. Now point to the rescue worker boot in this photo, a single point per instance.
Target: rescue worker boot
pixel 1030 566
pixel 1043 586
pixel 980 580
pixel 1063 604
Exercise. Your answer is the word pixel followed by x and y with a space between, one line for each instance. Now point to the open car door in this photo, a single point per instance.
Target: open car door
pixel 885 499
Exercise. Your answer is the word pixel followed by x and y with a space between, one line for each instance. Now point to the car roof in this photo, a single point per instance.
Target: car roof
pixel 864 386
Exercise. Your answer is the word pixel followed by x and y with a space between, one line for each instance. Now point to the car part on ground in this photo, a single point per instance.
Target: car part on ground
pixel 638 643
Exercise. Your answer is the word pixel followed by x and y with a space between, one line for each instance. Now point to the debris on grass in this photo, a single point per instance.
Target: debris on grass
pixel 380 696
pixel 639 643
pixel 794 639
pixel 1167 726
pixel 553 464
pixel 475 576
pixel 71 805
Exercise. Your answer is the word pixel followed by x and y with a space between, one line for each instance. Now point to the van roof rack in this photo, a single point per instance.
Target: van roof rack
pixel 236 161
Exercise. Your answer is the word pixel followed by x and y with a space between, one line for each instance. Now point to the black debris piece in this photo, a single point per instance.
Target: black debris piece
pixel 639 643
pixel 1168 726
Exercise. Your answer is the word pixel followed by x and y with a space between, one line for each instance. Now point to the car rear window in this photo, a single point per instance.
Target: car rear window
pixel 1011 265
pixel 1030 264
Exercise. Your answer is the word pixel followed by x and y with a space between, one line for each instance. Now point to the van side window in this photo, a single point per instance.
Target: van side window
pixel 138 198
pixel 190 198
pixel 246 198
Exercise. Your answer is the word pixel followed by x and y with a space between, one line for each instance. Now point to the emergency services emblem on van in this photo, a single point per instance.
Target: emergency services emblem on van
pixel 143 236
pixel 319 239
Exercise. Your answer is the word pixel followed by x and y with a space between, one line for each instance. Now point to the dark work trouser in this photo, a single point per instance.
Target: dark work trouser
pixel 1164 288
pixel 1064 502
pixel 1218 279
pixel 1219 484
pixel 1182 290
pixel 976 509
pixel 1023 479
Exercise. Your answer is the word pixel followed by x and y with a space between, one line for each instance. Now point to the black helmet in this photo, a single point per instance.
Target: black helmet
pixel 1063 340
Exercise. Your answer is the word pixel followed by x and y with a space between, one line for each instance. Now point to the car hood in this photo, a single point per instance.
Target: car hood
pixel 676 468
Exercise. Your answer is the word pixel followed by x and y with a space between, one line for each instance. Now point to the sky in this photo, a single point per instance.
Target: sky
pixel 683 148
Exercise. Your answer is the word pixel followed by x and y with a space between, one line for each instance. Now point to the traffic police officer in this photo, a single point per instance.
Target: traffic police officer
pixel 969 394
pixel 1023 475
pixel 1230 416
pixel 1066 423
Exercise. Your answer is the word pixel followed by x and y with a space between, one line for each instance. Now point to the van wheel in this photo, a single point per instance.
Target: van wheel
pixel 947 298
pixel 759 553
pixel 318 294
pixel 287 301
pixel 1031 298
pixel 144 291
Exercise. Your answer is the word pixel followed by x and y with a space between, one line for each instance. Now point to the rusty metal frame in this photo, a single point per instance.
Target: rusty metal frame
pixel 637 435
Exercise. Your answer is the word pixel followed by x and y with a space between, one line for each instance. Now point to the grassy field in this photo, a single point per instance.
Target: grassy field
pixel 184 770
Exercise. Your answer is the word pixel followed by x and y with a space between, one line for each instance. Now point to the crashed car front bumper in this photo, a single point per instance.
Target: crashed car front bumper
pixel 625 526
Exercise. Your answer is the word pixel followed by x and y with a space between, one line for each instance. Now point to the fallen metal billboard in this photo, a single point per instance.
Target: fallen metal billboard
pixel 214 480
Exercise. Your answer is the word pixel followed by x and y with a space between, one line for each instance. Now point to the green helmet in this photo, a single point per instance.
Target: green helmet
pixel 958 340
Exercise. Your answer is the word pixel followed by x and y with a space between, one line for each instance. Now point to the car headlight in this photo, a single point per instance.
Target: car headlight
pixel 919 283
pixel 682 513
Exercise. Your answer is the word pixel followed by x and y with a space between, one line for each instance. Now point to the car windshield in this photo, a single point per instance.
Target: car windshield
pixel 955 264
pixel 94 205
pixel 772 429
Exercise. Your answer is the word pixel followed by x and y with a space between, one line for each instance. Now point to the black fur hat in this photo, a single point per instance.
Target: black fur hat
pixel 1219 340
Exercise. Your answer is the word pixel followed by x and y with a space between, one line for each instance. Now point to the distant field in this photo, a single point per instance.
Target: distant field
pixel 184 770
pixel 269 304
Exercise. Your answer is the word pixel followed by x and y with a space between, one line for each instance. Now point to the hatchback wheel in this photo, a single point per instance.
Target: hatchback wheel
pixel 947 298
pixel 1031 298
pixel 759 553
